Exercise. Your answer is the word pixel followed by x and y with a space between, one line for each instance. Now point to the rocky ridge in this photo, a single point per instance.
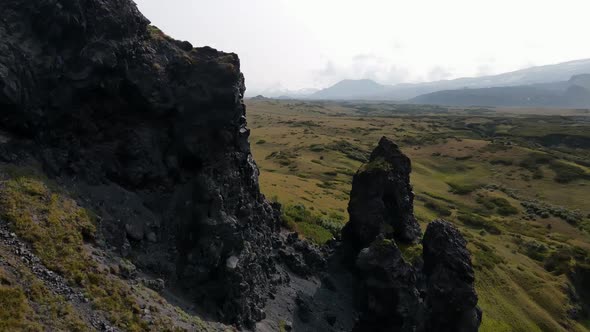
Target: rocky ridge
pixel 149 134
pixel 152 133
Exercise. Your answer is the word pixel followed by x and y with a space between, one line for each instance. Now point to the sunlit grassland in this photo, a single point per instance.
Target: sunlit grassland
pixel 472 169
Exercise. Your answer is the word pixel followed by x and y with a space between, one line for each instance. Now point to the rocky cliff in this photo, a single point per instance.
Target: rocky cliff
pixel 153 130
pixel 434 293
pixel 125 161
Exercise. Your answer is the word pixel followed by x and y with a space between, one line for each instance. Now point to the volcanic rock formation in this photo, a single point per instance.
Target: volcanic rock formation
pixel 155 130
pixel 394 294
pixel 450 296
pixel 381 200
pixel 150 134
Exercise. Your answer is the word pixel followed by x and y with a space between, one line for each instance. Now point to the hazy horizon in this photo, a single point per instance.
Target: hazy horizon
pixel 292 45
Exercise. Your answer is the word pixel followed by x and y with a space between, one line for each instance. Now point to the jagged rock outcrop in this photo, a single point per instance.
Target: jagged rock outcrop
pixel 381 200
pixel 451 300
pixel 394 295
pixel 152 132
pixel 302 257
pixel 390 299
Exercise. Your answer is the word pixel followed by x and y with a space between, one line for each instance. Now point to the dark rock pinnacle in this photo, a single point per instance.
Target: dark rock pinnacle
pixel 394 295
pixel 381 200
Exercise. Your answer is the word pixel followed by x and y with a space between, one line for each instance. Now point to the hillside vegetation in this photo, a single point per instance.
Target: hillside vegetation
pixel 516 182
pixel 65 282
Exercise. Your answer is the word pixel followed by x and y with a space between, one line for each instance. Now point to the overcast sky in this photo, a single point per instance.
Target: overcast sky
pixel 295 44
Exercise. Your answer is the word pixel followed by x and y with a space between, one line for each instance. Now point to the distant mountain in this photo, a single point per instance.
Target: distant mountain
pixel 259 97
pixel 350 89
pixel 572 93
pixel 533 75
pixel 282 93
pixel 581 80
pixel 370 90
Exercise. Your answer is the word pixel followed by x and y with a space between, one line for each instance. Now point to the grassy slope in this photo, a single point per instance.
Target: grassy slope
pixel 61 234
pixel 516 292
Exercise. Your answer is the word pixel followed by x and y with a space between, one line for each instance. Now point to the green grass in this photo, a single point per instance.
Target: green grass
pixel 488 171
pixel 14 309
pixel 462 188
pixel 57 228
pixel 311 225
pixel 479 222
pixel 566 172
pixel 484 256
pixel 440 209
pixel 350 150
pixel 376 165
pixel 498 205
pixel 412 253
pixel 314 232
pixel 26 304
pixel 55 225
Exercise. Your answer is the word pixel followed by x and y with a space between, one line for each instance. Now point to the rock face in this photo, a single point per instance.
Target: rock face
pixel 390 299
pixel 451 299
pixel 381 200
pixel 150 134
pixel 394 295
pixel 101 97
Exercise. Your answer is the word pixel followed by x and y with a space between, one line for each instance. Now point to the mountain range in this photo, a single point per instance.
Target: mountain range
pixel 574 92
pixel 562 84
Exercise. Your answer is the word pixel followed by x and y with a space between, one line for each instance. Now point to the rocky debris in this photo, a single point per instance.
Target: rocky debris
pixel 451 300
pixel 305 308
pixel 307 304
pixel 328 282
pixel 302 257
pixel 56 283
pixel 394 295
pixel 288 325
pixel 113 106
pixel 381 200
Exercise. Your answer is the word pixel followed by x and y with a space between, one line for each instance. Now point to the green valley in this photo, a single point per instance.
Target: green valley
pixel 515 181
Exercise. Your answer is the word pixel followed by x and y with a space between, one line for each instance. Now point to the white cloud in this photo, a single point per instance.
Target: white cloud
pixel 312 43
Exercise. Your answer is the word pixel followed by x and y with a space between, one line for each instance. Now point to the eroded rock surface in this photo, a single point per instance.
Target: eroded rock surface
pixel 381 200
pixel 389 296
pixel 394 295
pixel 152 133
pixel 451 300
